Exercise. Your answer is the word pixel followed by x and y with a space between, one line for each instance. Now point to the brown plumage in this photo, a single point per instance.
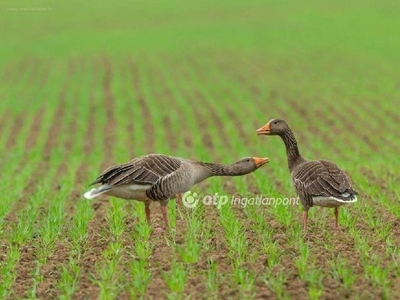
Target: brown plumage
pixel 160 177
pixel 317 182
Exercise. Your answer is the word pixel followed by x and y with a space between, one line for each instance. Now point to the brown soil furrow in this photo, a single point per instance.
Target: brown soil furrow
pixel 21 68
pixel 97 240
pixel 374 180
pixel 183 121
pixel 50 144
pixel 128 112
pixel 93 248
pixel 44 76
pixel 55 127
pixel 349 125
pixel 170 137
pixel 34 70
pixel 37 119
pixel 35 129
pixel 252 188
pixel 178 76
pixel 233 117
pixel 157 83
pixel 27 261
pixel 395 117
pixel 51 271
pixel 20 119
pixel 15 131
pixel 5 118
pixel 228 71
pixel 203 101
pixel 202 122
pixel 345 246
pixel 258 264
pixel 142 103
pixel 109 129
pixel 39 172
pixel 375 112
pixel 7 73
pixel 89 137
pixel 162 256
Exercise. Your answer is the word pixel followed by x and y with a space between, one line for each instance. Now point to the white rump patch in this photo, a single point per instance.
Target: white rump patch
pixel 90 194
pixel 332 201
pixel 93 193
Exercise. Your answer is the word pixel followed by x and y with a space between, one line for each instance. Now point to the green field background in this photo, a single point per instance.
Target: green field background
pixel 88 84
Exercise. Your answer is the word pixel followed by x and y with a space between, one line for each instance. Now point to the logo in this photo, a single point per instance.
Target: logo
pixel 190 200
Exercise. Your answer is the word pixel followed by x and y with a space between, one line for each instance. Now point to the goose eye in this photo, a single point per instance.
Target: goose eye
pixel 275 122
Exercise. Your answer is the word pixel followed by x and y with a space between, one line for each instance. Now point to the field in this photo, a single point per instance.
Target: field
pixel 84 86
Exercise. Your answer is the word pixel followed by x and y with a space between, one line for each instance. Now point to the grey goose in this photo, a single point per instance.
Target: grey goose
pixel 158 177
pixel 317 182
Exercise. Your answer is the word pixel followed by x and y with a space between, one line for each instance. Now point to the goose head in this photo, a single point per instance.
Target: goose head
pixel 249 164
pixel 273 127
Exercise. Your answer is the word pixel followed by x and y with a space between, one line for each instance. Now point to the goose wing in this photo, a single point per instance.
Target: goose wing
pixel 322 178
pixel 146 169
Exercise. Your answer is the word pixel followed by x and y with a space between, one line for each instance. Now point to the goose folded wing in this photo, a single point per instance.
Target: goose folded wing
pixel 167 186
pixel 145 170
pixel 324 179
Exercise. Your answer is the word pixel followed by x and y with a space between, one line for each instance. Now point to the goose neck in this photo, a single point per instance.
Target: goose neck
pixel 292 150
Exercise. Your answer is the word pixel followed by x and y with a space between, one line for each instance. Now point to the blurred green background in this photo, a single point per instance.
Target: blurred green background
pixel 365 32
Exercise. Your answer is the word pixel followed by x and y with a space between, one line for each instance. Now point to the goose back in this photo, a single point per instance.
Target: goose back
pixel 323 183
pixel 147 169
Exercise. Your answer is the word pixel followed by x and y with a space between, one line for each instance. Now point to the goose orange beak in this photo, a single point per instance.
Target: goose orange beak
pixel 265 130
pixel 260 161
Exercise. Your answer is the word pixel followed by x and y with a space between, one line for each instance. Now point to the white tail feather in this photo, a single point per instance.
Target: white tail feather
pixel 93 193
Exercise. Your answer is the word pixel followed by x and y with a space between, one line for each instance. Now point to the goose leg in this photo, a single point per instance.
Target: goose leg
pixel 179 197
pixel 305 218
pixel 147 210
pixel 165 215
pixel 336 212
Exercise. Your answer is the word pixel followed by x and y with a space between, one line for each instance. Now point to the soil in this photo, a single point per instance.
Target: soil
pixel 27 263
pixel 318 237
pixel 14 131
pixel 145 110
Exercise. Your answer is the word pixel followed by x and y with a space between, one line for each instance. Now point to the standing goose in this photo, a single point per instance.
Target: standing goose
pixel 317 182
pixel 160 177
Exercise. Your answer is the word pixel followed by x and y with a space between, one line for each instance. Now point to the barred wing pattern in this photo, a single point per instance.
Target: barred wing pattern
pixel 146 169
pixel 321 178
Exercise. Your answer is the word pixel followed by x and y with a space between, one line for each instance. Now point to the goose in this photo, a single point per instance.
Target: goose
pixel 158 177
pixel 317 182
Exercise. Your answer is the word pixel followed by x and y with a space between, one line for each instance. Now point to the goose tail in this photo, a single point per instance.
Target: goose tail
pixel 93 193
